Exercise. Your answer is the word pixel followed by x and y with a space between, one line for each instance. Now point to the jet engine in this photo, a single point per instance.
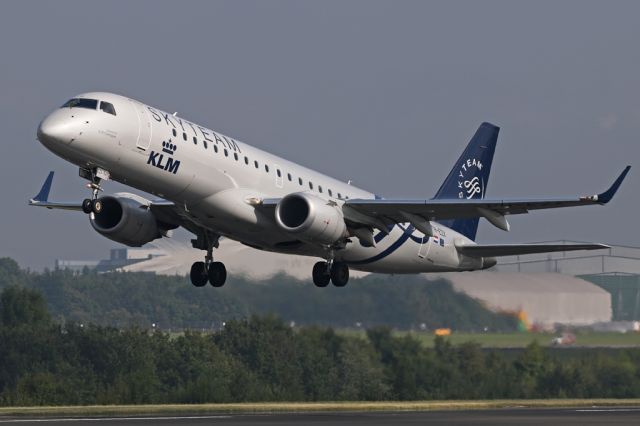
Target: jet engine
pixel 313 219
pixel 126 220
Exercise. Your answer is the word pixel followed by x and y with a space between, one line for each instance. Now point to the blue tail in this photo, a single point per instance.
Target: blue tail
pixel 469 177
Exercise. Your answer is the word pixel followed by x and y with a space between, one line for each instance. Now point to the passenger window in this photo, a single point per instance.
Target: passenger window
pixel 184 136
pixel 195 140
pixel 319 188
pixel 339 196
pixel 266 168
pixel 330 193
pixel 300 181
pixel 255 163
pixel 235 155
pixel 81 103
pixel 278 172
pixel 226 153
pixel 246 160
pixel 289 176
pixel 215 148
pixel 108 108
pixel 310 185
pixel 174 132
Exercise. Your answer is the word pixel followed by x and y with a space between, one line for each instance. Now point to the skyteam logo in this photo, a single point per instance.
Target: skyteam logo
pixel 470 185
pixel 164 160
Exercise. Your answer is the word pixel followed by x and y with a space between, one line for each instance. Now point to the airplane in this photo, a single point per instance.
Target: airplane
pixel 215 186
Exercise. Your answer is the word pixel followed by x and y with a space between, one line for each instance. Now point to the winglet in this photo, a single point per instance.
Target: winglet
pixel 43 195
pixel 606 196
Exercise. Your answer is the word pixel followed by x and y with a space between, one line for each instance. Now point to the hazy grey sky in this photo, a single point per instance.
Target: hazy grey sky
pixel 384 93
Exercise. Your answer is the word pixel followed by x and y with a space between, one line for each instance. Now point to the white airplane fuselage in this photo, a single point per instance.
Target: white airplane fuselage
pixel 218 180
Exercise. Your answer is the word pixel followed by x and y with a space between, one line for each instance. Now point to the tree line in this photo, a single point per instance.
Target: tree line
pixel 262 358
pixel 141 299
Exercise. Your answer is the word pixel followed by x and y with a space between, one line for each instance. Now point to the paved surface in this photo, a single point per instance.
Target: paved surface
pixel 510 416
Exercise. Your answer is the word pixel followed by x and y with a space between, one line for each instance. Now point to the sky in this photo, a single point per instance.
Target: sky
pixel 385 93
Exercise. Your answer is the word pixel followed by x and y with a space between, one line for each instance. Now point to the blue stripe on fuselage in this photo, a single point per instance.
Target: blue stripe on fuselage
pixel 393 247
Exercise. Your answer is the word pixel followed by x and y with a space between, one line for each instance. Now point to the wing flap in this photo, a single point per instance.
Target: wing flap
pixel 498 250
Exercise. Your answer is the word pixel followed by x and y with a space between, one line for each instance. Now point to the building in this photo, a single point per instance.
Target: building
pixel 616 270
pixel 118 258
pixel 546 298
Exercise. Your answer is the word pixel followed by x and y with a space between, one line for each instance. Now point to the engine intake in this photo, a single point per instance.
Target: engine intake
pixel 311 218
pixel 126 221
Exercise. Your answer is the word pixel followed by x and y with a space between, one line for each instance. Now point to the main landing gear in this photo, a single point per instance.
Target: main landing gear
pixel 336 272
pixel 215 273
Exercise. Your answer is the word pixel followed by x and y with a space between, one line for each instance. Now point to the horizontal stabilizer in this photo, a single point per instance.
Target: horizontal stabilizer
pixel 497 250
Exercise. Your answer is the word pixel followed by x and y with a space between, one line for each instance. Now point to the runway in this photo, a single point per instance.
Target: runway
pixel 505 416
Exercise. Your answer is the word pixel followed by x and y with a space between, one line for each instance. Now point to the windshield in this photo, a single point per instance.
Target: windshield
pixel 107 107
pixel 81 103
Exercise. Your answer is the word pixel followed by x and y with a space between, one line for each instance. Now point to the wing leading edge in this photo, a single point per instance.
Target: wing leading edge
pixel 400 211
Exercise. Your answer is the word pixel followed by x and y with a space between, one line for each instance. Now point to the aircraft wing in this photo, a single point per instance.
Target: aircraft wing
pixel 497 250
pixel 166 211
pixel 42 199
pixel 382 213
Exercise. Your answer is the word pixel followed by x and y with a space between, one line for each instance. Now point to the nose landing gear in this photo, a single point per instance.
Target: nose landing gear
pixel 93 204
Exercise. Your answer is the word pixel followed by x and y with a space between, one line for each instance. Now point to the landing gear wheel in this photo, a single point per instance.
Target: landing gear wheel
pixel 198 274
pixel 87 205
pixel 217 274
pixel 320 276
pixel 339 274
pixel 96 206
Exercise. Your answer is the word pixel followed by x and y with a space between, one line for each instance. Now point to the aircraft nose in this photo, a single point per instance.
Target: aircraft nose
pixel 53 130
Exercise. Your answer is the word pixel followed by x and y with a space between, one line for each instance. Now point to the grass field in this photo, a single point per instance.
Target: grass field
pixel 520 340
pixel 293 407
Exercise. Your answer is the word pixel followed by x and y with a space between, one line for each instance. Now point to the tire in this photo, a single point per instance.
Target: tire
pixel 198 274
pixel 217 274
pixel 96 206
pixel 320 276
pixel 87 206
pixel 339 274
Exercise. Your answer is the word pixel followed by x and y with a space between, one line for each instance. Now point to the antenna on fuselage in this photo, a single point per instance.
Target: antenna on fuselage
pixel 175 114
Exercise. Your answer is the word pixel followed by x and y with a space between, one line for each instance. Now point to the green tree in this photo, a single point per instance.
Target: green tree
pixel 20 306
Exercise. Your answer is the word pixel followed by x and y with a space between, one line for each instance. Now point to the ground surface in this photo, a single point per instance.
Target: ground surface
pixel 503 416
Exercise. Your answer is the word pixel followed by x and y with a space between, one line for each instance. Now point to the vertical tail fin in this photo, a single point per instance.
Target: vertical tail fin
pixel 469 177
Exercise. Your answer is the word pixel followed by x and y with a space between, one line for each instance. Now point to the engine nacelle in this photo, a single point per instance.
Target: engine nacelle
pixel 313 219
pixel 126 220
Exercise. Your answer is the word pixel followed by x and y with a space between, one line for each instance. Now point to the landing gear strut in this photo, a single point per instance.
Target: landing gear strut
pixel 336 272
pixel 93 204
pixel 208 271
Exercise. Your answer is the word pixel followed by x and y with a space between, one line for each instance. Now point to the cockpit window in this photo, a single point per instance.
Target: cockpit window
pixel 107 107
pixel 81 103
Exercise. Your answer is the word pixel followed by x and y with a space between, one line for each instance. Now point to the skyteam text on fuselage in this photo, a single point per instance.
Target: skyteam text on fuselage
pixel 215 186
